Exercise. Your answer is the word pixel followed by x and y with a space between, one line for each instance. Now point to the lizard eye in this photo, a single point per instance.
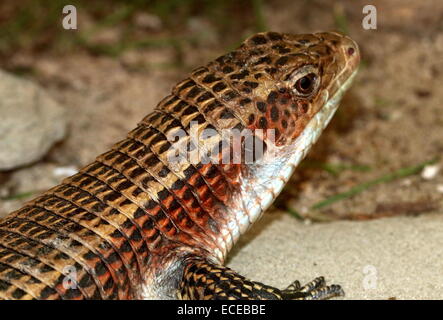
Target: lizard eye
pixel 305 85
pixel 305 81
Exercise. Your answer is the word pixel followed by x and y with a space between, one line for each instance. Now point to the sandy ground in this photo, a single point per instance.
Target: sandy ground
pixel 388 258
pixel 390 119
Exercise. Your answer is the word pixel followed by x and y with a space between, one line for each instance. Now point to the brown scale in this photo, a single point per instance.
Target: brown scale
pixel 68 246
pixel 51 258
pixel 82 227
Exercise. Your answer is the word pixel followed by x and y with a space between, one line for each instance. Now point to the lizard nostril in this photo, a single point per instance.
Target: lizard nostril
pixel 351 51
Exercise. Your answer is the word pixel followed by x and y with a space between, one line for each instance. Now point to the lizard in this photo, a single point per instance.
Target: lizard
pixel 147 221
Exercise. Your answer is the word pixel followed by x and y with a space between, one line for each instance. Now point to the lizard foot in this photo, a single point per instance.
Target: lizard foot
pixel 204 280
pixel 314 290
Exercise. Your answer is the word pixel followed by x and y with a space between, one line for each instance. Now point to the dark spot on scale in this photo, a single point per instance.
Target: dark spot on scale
pixel 189 110
pixel 177 185
pixel 261 106
pixel 124 185
pixel 245 101
pixel 287 113
pixel 151 161
pixel 272 97
pixel 226 114
pixel 47 292
pixel 274 114
pixel 251 84
pixel 304 107
pixel 17 293
pixel 230 95
pixel 163 172
pixel 179 106
pixel 263 123
pixel 284 50
pixel 116 234
pixel 284 123
pixel 171 100
pixel 200 119
pixel 165 147
pixel 239 76
pixel 151 204
pixel 89 255
pixel 264 60
pixel 283 101
pixel 282 61
pixel 125 247
pixel 136 235
pixel 193 93
pixel 219 86
pixel 174 205
pixel 205 96
pixel 148 224
pixel 108 284
pixel 210 78
pixel 251 118
pixel 227 69
pixel 246 90
pixel 258 75
pixel 212 172
pixel 274 36
pixel 85 281
pixel 186 85
pixel 271 70
pixel 100 268
pixel 258 39
pixel 45 268
pixel 210 107
pixel 163 194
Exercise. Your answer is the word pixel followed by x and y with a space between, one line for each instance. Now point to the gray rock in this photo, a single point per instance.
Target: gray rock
pixel 30 122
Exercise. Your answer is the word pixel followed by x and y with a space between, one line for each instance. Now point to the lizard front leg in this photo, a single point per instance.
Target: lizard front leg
pixel 203 280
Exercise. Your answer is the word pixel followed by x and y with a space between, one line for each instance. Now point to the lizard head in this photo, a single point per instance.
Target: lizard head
pixel 290 78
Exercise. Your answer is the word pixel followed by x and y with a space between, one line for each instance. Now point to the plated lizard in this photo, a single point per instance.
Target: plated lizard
pixel 145 220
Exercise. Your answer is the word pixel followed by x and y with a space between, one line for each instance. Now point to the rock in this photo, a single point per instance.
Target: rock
pixel 31 122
